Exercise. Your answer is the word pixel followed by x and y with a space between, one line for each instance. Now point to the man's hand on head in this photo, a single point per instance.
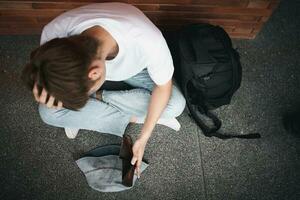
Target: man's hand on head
pixel 43 97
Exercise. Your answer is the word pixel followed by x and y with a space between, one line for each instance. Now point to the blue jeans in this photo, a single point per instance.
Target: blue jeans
pixel 113 113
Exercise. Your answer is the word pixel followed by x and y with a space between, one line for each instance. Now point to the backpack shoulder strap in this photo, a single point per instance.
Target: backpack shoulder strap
pixel 196 111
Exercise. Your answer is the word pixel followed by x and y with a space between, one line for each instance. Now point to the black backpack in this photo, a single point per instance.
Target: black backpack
pixel 208 71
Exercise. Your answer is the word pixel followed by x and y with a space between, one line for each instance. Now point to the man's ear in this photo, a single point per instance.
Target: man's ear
pixel 96 70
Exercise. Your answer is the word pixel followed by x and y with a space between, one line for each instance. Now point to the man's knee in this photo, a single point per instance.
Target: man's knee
pixel 177 102
pixel 48 115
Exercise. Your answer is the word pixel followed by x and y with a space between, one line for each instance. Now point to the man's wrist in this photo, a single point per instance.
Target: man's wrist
pixel 144 136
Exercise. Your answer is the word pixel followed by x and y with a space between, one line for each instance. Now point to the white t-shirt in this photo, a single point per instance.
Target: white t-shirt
pixel 141 44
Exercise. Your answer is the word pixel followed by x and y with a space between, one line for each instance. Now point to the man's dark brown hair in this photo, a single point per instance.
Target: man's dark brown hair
pixel 61 67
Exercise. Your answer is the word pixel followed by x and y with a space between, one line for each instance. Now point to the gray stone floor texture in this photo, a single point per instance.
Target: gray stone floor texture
pixel 37 160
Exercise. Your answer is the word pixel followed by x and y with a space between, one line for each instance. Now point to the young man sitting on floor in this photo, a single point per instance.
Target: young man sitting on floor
pixel 82 48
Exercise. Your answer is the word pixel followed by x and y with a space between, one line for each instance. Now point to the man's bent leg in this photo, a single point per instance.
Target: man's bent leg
pixel 175 105
pixel 135 102
pixel 95 115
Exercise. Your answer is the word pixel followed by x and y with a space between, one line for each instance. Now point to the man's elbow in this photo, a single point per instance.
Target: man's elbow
pixel 167 87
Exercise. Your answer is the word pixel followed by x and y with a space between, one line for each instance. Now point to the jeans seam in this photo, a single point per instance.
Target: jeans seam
pixel 111 104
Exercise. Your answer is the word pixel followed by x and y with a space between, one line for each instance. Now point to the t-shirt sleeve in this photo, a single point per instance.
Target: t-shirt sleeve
pixel 160 67
pixel 52 30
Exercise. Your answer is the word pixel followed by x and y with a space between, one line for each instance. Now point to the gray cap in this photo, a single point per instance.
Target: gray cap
pixel 103 169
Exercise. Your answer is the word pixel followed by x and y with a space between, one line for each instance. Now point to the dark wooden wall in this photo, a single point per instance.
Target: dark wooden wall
pixel 240 18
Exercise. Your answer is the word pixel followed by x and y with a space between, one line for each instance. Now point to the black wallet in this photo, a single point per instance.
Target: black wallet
pixel 126 156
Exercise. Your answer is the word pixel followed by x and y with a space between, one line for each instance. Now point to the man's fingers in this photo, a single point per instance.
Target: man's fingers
pixel 133 160
pixel 50 102
pixel 59 105
pixel 43 96
pixel 35 92
pixel 138 168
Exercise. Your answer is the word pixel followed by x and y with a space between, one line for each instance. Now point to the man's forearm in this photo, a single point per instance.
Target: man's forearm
pixel 159 99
